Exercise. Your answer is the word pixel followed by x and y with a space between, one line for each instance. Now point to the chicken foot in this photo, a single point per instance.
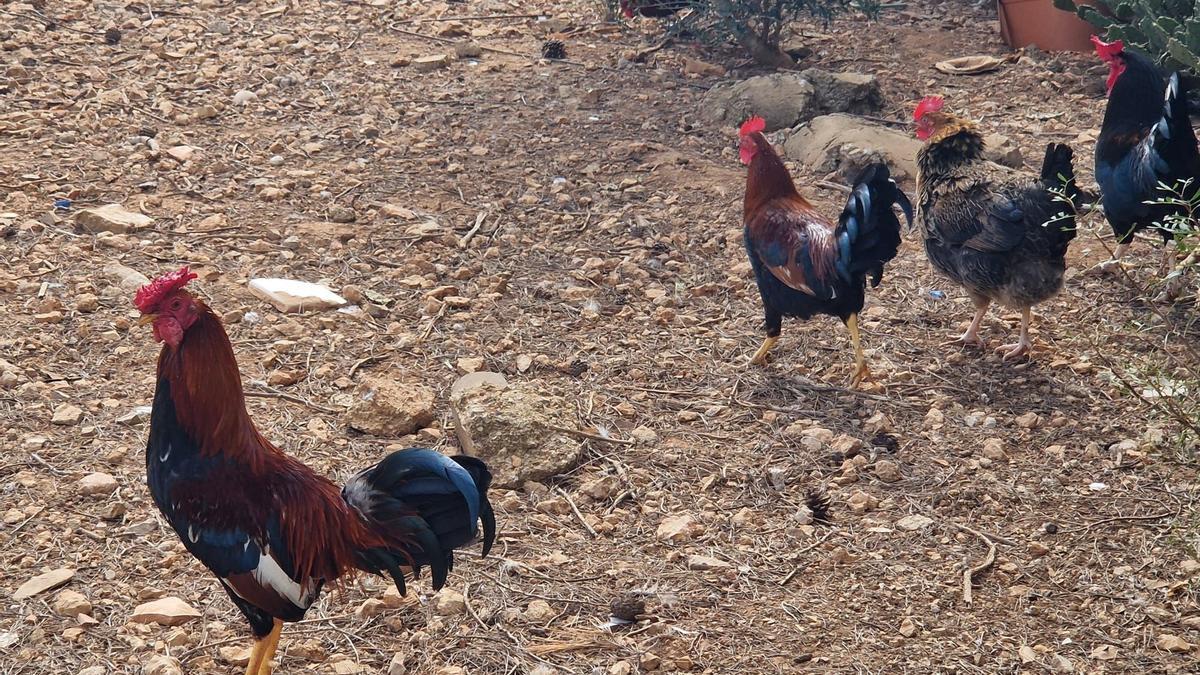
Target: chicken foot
pixel 861 372
pixel 971 338
pixel 760 356
pixel 1024 345
pixel 1114 264
pixel 264 651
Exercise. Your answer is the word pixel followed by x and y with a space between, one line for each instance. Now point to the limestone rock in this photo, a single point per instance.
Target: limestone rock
pixel 887 471
pixel 429 63
pixel 43 582
pixel 706 563
pixel 289 295
pixel 847 144
pixel 698 67
pixel 71 603
pixel 168 611
pixel 127 278
pixel 1172 643
pixel 513 429
pixel 914 522
pixel 162 665
pixel 787 99
pixel 389 408
pixel 781 99
pixel 861 502
pixel 98 483
pixel 856 93
pixel 235 655
pixel 449 602
pixel 111 218
pixel 539 611
pixel 676 528
pixel 67 415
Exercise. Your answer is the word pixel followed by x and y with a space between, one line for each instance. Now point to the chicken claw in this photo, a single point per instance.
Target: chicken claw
pixel 760 356
pixel 861 374
pixel 1024 342
pixel 1015 351
pixel 1110 267
pixel 968 339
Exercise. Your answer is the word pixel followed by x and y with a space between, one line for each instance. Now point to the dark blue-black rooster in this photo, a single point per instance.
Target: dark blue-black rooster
pixel 1146 141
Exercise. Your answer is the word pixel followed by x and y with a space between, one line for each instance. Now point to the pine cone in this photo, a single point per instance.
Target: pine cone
pixel 628 607
pixel 818 502
pixel 554 49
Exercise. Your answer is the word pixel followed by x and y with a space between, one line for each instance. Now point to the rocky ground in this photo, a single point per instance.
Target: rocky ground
pixel 575 227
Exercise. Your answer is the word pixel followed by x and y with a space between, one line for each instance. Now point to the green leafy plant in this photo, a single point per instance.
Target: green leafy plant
pixel 756 25
pixel 1169 30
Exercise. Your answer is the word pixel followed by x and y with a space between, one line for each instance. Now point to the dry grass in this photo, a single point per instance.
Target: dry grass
pixel 650 203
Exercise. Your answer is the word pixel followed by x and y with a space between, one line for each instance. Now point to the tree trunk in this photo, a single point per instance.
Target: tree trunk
pixel 762 51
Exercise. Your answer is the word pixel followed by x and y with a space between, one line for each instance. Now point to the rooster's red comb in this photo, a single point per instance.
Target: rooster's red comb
pixel 148 296
pixel 927 105
pixel 752 125
pixel 1107 50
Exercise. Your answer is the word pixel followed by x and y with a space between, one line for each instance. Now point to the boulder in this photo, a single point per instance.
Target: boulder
pixel 856 93
pixel 514 428
pixel 389 408
pixel 787 99
pixel 846 144
pixel 782 99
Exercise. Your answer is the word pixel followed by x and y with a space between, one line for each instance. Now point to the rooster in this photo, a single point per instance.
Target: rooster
pixel 1003 237
pixel 803 262
pixel 1146 139
pixel 271 530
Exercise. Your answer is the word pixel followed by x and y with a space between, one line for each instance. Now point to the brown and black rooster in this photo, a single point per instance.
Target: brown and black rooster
pixel 273 531
pixel 1002 236
pixel 805 263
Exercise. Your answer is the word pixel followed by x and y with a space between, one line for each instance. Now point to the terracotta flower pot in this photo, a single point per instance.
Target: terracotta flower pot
pixel 1039 22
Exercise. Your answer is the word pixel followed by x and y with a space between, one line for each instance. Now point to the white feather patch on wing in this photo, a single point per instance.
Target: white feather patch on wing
pixel 359 495
pixel 271 575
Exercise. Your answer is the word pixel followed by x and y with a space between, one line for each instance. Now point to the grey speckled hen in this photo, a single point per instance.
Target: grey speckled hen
pixel 999 234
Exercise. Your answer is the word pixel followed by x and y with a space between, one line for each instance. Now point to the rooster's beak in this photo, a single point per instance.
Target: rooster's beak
pixel 147 319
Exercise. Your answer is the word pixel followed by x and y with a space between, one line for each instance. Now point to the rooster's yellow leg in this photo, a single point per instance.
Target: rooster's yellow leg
pixel 760 356
pixel 1024 343
pixel 270 644
pixel 256 655
pixel 861 372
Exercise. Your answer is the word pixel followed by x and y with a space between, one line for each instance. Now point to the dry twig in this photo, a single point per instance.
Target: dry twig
pixel 970 572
